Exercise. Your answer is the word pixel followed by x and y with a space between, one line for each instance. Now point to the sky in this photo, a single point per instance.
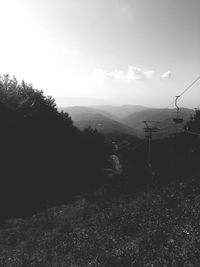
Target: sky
pixel 89 52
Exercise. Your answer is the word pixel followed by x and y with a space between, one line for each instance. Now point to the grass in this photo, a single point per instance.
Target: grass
pixel 157 227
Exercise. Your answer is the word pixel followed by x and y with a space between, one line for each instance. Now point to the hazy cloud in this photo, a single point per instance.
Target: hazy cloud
pixel 135 73
pixel 132 74
pixel 166 75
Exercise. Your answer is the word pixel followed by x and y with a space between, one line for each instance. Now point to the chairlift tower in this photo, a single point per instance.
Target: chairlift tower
pixel 149 130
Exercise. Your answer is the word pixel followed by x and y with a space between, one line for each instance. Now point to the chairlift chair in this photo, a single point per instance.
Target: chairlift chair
pixel 178 115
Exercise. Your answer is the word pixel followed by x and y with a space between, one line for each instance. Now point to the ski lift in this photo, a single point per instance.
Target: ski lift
pixel 178 115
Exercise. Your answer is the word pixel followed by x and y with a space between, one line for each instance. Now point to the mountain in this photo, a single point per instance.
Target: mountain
pixel 77 111
pixel 120 112
pixel 127 119
pixel 164 117
pixel 84 117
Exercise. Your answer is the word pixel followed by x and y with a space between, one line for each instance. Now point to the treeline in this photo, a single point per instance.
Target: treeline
pixel 179 155
pixel 44 159
pixel 175 157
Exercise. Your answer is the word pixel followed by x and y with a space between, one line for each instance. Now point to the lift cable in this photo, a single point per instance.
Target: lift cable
pixel 186 89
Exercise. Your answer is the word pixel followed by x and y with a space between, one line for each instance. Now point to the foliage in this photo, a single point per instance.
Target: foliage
pixel 44 158
pixel 171 158
pixel 194 123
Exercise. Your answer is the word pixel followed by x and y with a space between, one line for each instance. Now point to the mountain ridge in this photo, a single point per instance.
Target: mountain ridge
pixel 126 119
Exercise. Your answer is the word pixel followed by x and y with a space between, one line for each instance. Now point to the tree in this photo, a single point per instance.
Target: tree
pixel 194 123
pixel 43 156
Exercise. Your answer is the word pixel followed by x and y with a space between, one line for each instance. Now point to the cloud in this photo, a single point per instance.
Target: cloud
pixel 166 75
pixel 132 74
pixel 135 73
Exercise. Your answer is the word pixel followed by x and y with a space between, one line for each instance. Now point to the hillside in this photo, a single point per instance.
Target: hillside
pixel 157 227
pixel 84 117
pixel 127 119
pixel 163 116
pixel 120 112
pixel 77 111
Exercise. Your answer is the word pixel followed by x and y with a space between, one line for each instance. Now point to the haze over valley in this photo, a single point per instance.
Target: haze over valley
pixel 126 119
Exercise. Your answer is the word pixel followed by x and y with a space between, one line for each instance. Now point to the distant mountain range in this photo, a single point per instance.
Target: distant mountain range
pixel 127 119
pixel 98 119
pixel 121 112
pixel 164 117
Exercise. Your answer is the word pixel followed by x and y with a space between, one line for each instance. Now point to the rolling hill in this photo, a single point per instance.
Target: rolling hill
pixel 126 119
pixel 120 112
pixel 104 122
pixel 163 116
pixel 77 111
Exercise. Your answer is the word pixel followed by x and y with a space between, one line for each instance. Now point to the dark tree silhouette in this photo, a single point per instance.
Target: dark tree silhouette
pixel 43 157
pixel 175 157
pixel 194 123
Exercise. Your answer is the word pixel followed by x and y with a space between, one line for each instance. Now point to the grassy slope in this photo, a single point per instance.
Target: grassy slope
pixel 157 227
